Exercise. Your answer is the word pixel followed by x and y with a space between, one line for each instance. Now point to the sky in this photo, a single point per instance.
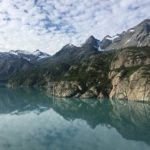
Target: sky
pixel 48 25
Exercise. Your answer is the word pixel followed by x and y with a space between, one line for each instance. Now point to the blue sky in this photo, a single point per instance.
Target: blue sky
pixel 49 24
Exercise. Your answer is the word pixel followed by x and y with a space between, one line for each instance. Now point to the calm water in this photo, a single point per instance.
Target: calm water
pixel 30 120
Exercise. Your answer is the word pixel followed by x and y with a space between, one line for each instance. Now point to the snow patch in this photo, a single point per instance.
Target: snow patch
pixel 127 41
pixel 112 37
pixel 26 58
pixel 131 30
pixel 40 55
pixel 17 52
pixel 71 45
pixel 28 55
pixel 13 52
pixel 37 53
pixel 97 46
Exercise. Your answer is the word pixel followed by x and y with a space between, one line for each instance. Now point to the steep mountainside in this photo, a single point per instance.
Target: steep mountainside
pixel 137 36
pixel 16 61
pixel 70 54
pixel 120 74
pixel 130 74
pixel 89 72
pixel 11 64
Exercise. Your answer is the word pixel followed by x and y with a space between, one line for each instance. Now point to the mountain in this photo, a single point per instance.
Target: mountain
pixel 92 42
pixel 35 56
pixel 116 67
pixel 16 61
pixel 10 64
pixel 40 55
pixel 70 54
pixel 137 36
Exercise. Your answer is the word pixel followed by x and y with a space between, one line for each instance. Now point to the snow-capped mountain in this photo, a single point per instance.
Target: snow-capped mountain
pixel 40 55
pixel 36 55
pixel 137 36
pixel 15 61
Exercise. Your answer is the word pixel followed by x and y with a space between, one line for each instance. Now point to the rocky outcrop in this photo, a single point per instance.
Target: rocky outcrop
pixel 74 89
pixel 130 74
pixel 131 57
pixel 64 88
pixel 136 86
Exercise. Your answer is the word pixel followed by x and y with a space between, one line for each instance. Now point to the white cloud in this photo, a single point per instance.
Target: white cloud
pixel 50 24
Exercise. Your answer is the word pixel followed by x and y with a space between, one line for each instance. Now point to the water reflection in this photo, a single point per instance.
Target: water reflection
pixel 29 119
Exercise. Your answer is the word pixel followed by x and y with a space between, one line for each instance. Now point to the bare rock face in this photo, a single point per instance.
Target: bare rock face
pixel 130 58
pixel 139 87
pixel 64 88
pixel 130 74
pixel 135 87
pixel 119 87
pixel 73 89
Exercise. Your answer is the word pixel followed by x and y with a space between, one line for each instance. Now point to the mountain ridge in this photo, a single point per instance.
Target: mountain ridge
pixel 88 71
pixel 136 36
pixel 99 44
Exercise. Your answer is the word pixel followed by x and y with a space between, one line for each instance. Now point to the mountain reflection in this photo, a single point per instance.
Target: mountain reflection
pixel 130 119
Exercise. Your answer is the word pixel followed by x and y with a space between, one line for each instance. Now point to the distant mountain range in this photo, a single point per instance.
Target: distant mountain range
pixel 35 56
pixel 115 67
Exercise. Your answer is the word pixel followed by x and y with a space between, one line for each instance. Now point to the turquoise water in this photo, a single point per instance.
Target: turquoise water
pixel 31 120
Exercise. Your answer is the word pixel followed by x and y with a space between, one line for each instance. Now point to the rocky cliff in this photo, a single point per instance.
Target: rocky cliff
pixel 130 74
pixel 128 78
